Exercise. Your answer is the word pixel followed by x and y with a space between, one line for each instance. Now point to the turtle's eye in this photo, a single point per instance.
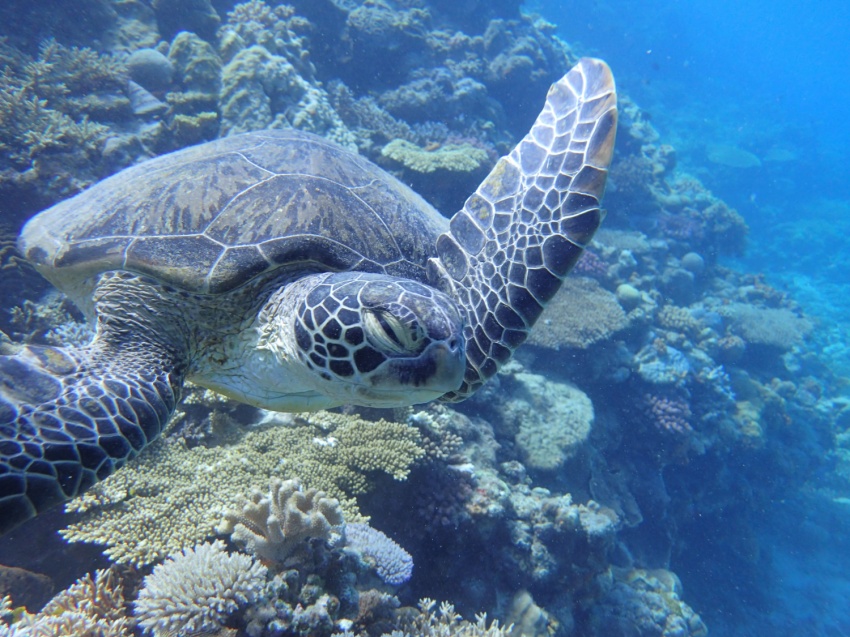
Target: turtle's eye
pixel 391 335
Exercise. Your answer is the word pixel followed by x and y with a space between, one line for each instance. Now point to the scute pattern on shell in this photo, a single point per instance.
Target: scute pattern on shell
pixel 211 217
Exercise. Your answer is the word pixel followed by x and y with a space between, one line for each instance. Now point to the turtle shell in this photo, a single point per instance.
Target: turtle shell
pixel 209 218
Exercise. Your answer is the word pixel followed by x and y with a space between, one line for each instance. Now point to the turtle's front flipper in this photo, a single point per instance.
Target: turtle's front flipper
pixel 519 235
pixel 70 417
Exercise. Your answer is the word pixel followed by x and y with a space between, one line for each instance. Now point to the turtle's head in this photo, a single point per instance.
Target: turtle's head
pixel 377 340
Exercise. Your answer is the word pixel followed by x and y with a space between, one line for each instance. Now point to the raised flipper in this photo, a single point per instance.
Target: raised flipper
pixel 70 417
pixel 525 227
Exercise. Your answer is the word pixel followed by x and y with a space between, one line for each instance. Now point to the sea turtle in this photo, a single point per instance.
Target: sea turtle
pixel 286 272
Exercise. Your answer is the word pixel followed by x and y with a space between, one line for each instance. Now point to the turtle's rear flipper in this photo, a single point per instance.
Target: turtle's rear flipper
pixel 68 419
pixel 526 225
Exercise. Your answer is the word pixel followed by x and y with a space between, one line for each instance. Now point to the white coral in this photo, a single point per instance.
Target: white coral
pixel 194 591
pixel 278 525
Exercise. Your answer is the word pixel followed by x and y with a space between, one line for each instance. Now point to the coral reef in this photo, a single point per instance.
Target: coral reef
pixel 172 497
pixel 277 527
pixel 91 607
pixel 645 603
pixel 448 157
pixel 552 420
pixel 778 328
pixel 196 590
pixel 393 564
pixel 581 313
pixel 693 381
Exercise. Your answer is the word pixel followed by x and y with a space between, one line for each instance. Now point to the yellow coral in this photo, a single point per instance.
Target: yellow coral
pixel 450 157
pixel 173 497
pixel 88 608
pixel 679 319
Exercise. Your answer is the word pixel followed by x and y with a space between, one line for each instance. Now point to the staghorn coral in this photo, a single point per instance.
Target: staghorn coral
pixel 195 591
pixel 172 497
pixel 463 158
pixel 277 527
pixel 581 313
pixel 393 564
pixel 91 607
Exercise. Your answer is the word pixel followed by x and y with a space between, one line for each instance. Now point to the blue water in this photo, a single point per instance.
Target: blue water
pixel 759 536
pixel 760 75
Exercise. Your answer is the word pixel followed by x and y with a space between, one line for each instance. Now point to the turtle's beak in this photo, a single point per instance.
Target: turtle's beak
pixel 449 363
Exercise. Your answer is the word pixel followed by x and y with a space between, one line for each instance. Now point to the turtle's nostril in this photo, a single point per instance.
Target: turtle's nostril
pixel 454 344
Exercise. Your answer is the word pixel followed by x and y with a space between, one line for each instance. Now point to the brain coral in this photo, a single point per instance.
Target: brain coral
pixel 172 497
pixel 553 420
pixel 581 313
pixel 193 592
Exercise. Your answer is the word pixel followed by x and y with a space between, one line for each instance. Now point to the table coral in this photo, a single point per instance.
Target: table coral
pixel 448 157
pixel 581 313
pixel 778 328
pixel 172 497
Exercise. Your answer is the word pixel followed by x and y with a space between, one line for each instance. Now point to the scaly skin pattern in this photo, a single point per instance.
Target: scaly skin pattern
pixel 526 225
pixel 70 417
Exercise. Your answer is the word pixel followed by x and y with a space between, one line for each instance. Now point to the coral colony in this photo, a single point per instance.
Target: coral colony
pixel 555 497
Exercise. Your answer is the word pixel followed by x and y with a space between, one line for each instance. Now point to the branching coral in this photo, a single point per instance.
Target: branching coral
pixel 668 413
pixel 393 564
pixel 277 526
pixel 679 319
pixel 445 622
pixel 91 607
pixel 195 591
pixel 172 497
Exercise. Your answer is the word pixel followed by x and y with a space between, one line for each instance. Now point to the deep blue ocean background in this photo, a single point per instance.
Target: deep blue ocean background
pixel 771 78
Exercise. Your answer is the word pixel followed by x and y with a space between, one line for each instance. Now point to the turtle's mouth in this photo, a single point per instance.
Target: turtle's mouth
pixel 438 369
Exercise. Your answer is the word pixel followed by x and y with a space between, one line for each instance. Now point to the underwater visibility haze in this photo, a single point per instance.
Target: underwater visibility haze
pixel 316 322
